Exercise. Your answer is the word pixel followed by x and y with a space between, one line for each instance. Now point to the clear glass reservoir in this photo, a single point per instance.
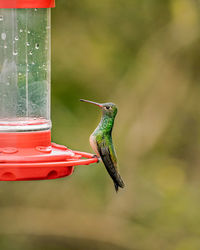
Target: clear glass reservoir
pixel 24 70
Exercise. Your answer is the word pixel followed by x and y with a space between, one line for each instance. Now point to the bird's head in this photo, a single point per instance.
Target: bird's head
pixel 108 108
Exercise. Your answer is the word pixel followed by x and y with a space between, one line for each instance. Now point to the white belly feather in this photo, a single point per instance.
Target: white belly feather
pixel 93 144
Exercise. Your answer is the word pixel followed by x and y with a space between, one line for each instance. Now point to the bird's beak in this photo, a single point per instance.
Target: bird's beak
pixel 95 103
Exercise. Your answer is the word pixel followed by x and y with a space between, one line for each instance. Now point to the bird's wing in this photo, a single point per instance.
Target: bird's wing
pixel 106 150
pixel 108 156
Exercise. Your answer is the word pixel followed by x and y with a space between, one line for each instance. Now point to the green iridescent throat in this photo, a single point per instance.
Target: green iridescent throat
pixel 105 125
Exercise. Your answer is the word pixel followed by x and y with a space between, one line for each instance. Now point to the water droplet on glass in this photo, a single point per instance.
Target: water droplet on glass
pixel 3 36
pixel 15 53
pixel 5 47
pixel 16 38
pixel 31 53
pixel 37 45
pixel 20 30
pixel 27 44
pixel 1 18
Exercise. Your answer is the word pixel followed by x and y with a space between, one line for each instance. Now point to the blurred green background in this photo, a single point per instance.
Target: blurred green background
pixel 143 56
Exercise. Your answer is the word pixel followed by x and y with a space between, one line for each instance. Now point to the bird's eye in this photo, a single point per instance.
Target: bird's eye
pixel 107 107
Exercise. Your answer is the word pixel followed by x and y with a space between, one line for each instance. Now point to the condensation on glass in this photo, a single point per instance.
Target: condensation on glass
pixel 24 70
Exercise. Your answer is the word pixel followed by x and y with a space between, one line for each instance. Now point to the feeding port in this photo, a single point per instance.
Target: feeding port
pixel 26 151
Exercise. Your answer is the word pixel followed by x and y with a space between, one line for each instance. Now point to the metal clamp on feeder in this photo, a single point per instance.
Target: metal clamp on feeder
pixel 26 151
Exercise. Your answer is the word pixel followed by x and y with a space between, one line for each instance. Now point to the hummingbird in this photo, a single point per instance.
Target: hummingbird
pixel 101 141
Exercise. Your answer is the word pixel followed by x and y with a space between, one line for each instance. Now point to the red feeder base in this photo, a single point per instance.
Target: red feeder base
pixel 32 156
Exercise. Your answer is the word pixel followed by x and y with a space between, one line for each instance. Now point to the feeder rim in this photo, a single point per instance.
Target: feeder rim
pixel 32 156
pixel 23 4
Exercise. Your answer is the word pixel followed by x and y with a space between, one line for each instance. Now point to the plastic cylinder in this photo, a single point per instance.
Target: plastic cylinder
pixel 25 69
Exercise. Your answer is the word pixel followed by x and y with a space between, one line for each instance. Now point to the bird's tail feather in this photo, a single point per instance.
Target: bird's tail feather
pixel 118 182
pixel 116 187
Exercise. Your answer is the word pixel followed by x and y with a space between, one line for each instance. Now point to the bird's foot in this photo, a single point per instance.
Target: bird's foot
pixel 95 156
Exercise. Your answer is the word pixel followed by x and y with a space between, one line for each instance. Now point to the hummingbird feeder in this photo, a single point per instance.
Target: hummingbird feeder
pixel 26 150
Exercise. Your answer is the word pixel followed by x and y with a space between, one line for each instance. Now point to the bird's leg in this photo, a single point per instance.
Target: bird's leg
pixel 95 156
